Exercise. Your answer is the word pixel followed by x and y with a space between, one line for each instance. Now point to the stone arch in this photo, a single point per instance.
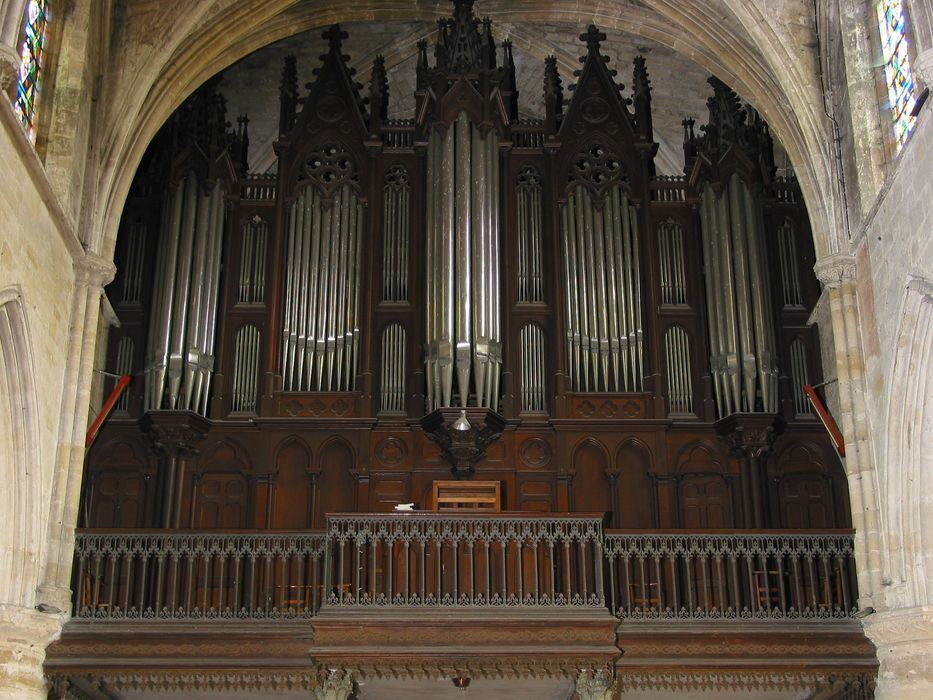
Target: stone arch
pixel 907 470
pixel 20 460
pixel 741 46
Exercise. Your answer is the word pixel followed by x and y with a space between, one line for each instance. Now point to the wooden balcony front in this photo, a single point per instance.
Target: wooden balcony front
pixel 447 594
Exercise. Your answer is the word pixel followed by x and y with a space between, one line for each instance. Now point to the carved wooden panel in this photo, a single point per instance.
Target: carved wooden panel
pixel 220 501
pixel 590 485
pixel 705 502
pixel 336 487
pixel 292 487
pixel 119 499
pixel 806 501
pixel 635 489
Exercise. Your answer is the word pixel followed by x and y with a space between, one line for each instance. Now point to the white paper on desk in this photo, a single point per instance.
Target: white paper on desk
pixel 405 506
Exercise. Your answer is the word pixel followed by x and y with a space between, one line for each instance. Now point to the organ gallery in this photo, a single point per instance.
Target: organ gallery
pixel 620 342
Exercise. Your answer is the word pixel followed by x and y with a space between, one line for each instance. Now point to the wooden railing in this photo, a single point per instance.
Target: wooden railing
pixel 726 574
pixel 431 560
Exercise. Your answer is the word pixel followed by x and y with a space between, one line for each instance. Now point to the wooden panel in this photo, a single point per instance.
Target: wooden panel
pixel 220 501
pixel 388 491
pixel 291 496
pixel 705 502
pixel 590 485
pixel 806 502
pixel 535 495
pixel 119 499
pixel 336 485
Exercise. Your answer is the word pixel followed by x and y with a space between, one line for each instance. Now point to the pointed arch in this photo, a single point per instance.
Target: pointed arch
pixel 292 486
pixel 20 471
pixel 907 470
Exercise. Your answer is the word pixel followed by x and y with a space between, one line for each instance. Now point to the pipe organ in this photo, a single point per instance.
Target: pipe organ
pixel 462 290
pixel 628 332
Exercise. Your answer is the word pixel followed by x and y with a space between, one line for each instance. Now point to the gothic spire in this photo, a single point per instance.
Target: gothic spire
pixel 378 95
pixel 553 94
pixel 641 98
pixel 288 95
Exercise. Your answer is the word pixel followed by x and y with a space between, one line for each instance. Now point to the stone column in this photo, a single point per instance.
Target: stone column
pixel 92 273
pixel 24 635
pixel 12 14
pixel 920 32
pixel 837 273
pixel 334 684
pixel 594 684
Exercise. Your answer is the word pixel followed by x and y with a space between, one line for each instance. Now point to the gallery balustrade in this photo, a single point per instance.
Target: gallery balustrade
pixel 431 560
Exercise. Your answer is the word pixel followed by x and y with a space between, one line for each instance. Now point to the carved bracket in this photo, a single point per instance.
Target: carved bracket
pixel 463 435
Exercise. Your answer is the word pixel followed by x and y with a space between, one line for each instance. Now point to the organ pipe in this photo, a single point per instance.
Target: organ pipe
pixel 184 320
pixel 679 381
pixel 528 214
pixel 790 276
pixel 245 369
pixel 671 254
pixel 603 292
pixel 252 282
pixel 533 392
pixel 741 323
pixel 393 369
pixel 463 332
pixel 134 265
pixel 799 376
pixel 320 332
pixel 396 198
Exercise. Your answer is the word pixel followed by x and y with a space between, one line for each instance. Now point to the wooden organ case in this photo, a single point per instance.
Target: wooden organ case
pixel 643 337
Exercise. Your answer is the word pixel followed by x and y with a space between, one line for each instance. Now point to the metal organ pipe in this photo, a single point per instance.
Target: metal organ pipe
pixel 741 324
pixel 533 395
pixel 462 309
pixel 187 290
pixel 320 333
pixel 393 369
pixel 603 292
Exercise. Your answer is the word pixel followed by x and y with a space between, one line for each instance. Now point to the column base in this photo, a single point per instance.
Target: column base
pixel 904 640
pixel 24 635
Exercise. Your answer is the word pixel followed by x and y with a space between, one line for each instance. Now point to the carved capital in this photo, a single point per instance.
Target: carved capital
pixel 9 69
pixel 595 684
pixel 833 270
pixel 94 271
pixel 174 433
pixel 750 434
pixel 334 684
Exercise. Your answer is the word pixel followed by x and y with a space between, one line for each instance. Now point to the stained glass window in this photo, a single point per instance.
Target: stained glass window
pixel 30 67
pixel 897 76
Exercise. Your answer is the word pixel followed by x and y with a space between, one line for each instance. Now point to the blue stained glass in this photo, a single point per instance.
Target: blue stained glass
pixel 30 68
pixel 892 23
